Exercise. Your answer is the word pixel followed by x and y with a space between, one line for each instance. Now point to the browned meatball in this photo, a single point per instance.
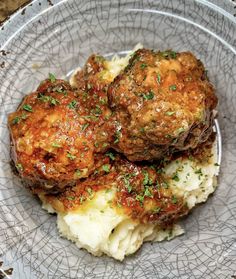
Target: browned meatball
pixel 163 103
pixel 140 192
pixel 55 135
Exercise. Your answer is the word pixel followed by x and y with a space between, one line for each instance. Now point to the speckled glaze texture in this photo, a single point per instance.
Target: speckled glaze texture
pixel 58 38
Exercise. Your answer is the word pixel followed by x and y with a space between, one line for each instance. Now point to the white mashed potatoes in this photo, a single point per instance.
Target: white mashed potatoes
pixel 100 229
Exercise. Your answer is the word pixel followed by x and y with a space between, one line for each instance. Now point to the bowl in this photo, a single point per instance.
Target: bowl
pixel 57 37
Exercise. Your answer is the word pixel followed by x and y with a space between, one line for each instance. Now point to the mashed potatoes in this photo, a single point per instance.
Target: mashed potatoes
pixel 100 228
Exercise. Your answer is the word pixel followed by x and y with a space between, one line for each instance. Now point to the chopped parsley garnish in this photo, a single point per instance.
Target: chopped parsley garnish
pixel 128 186
pixel 50 99
pixel 142 130
pixel 51 77
pixel 27 108
pixel 173 87
pixel 216 164
pixel 169 54
pixel 97 111
pixel 165 185
pixel 16 120
pixel 119 204
pixel 148 96
pixel 117 136
pixel 81 199
pixel 147 193
pixel 96 144
pixel 143 66
pixel 103 101
pixel 59 89
pixel 70 156
pixel 175 177
pixel 54 144
pixel 199 171
pixel 159 78
pixel 169 113
pixel 71 198
pixel 140 198
pixel 78 172
pixel 146 178
pixel 156 210
pixel 72 104
pixel 174 199
pixel 19 167
pixel 90 191
pixel 106 168
pixel 85 126
pixel 111 155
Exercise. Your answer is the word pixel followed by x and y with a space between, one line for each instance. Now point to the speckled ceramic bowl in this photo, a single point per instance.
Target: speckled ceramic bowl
pixel 57 36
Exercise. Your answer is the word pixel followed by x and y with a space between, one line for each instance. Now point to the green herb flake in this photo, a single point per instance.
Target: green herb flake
pixel 90 191
pixel 159 78
pixel 54 101
pixel 174 200
pixel 148 96
pixel 97 111
pixel 106 168
pixel 50 99
pixel 72 104
pixel 143 66
pixel 16 120
pixel 103 101
pixel 78 172
pixel 117 136
pixel 156 210
pixel 71 198
pixel 128 186
pixel 81 199
pixel 147 193
pixel 51 77
pixel 140 199
pixel 216 164
pixel 70 156
pixel 169 113
pixel 146 178
pixel 165 185
pixel 85 126
pixel 119 204
pixel 199 171
pixel 173 87
pixel 54 144
pixel 169 54
pixel 111 155
pixel 19 167
pixel 175 177
pixel 27 108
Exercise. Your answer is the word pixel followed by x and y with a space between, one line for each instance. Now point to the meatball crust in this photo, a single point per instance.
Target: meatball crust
pixel 53 136
pixel 163 103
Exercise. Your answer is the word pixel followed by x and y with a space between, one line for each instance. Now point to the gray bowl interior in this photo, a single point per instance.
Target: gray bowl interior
pixel 58 39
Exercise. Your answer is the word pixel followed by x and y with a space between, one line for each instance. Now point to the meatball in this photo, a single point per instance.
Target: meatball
pixel 94 75
pixel 163 103
pixel 140 192
pixel 54 141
